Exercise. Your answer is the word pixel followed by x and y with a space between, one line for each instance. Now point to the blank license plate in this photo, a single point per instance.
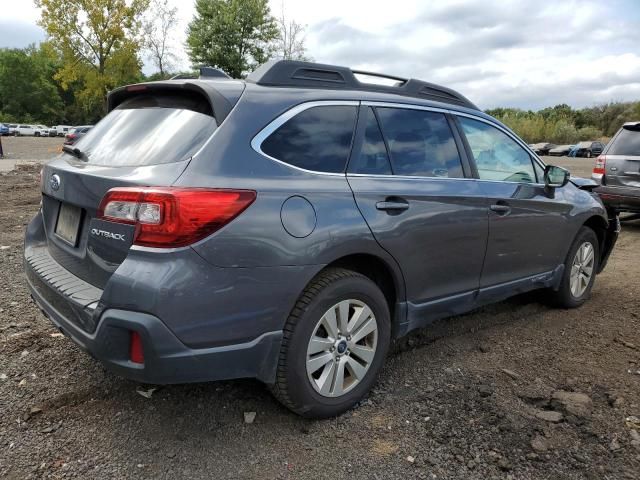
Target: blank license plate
pixel 68 223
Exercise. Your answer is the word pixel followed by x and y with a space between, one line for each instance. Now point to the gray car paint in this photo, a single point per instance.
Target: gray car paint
pixel 445 254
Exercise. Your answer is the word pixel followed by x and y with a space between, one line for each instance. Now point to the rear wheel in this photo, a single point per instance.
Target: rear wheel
pixel 580 269
pixel 334 344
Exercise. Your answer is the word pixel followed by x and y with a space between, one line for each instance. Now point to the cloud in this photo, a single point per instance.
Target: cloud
pixel 508 53
pixel 17 34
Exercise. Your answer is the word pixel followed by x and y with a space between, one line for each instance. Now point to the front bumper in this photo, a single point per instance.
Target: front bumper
pixel 71 304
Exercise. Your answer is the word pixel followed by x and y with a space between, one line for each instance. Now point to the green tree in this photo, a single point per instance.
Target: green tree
pixel 234 35
pixel 98 42
pixel 27 90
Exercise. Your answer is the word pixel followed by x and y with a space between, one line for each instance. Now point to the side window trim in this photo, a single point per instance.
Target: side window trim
pixel 267 130
pixel 359 137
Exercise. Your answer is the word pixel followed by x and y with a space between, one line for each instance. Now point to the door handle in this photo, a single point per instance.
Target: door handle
pixel 500 209
pixel 392 205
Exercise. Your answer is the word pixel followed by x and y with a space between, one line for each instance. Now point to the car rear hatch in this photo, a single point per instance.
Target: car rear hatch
pixel 147 139
pixel 622 158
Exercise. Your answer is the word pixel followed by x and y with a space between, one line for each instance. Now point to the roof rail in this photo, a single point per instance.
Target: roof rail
pixel 292 73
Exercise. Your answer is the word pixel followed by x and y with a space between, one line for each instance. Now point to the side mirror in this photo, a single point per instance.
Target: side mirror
pixel 555 177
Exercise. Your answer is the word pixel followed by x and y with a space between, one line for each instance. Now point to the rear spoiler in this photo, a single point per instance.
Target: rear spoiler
pixel 221 95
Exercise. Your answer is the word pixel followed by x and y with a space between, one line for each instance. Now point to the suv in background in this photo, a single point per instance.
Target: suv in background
pixel 25 130
pixel 4 130
pixel 588 149
pixel 41 131
pixel 288 226
pixel 618 170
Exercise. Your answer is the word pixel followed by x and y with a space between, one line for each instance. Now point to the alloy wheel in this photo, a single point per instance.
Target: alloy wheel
pixel 582 269
pixel 342 348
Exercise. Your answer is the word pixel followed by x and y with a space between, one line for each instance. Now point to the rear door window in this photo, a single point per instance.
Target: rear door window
pixel 420 143
pixel 498 157
pixel 317 139
pixel 149 129
pixel 626 143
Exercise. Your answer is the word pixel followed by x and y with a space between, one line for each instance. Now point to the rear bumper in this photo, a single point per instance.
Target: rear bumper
pixel 73 306
pixel 621 199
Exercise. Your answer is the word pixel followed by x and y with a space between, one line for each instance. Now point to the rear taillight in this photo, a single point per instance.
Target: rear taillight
pixel 168 217
pixel 600 166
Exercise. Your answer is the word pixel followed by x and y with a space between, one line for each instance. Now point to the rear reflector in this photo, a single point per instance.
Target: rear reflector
pixel 136 353
pixel 601 164
pixel 167 217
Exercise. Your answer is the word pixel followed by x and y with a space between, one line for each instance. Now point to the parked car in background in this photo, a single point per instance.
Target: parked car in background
pixel 41 131
pixel 62 130
pixel 560 150
pixel 587 149
pixel 289 226
pixel 25 130
pixel 542 148
pixel 76 134
pixel 617 169
pixel 4 129
pixel 12 128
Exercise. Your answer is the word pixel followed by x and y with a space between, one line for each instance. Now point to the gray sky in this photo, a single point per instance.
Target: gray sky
pixel 518 53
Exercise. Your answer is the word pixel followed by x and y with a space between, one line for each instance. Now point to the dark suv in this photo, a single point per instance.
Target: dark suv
pixel 618 170
pixel 289 226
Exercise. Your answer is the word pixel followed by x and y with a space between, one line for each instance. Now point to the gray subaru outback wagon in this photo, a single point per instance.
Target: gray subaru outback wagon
pixel 289 226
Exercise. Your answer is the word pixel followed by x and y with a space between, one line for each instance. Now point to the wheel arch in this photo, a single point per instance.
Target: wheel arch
pixel 606 232
pixel 388 278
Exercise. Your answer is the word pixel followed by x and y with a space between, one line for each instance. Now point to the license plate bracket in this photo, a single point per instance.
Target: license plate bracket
pixel 68 223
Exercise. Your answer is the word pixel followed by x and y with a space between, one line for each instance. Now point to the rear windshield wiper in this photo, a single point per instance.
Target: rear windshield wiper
pixel 75 151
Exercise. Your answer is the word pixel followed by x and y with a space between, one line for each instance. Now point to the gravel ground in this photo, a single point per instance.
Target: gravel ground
pixel 21 150
pixel 516 390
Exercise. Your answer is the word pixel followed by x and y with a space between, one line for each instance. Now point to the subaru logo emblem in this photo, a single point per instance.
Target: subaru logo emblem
pixel 54 182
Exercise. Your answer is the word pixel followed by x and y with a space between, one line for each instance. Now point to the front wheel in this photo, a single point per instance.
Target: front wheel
pixel 334 344
pixel 580 269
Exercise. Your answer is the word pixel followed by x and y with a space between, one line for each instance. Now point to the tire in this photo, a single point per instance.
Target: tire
pixel 588 154
pixel 329 291
pixel 566 297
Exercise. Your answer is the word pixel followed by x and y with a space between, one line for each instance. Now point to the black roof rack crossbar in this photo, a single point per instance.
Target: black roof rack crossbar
pixel 291 73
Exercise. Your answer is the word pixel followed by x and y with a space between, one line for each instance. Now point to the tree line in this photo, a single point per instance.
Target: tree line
pixel 93 47
pixel 563 125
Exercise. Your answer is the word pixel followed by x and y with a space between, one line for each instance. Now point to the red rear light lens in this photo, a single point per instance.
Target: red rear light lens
pixel 167 217
pixel 136 353
pixel 601 164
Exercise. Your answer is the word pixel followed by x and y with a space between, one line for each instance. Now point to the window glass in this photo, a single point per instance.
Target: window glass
pixel 147 129
pixel 626 143
pixel 317 139
pixel 372 158
pixel 497 156
pixel 420 143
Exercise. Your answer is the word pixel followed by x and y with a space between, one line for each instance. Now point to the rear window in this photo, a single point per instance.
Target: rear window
pixel 626 143
pixel 149 130
pixel 317 139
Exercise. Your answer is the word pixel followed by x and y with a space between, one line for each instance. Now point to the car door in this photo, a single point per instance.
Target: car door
pixel 528 224
pixel 410 181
